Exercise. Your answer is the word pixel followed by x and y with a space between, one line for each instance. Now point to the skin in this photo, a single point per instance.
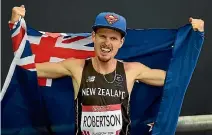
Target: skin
pixel 103 63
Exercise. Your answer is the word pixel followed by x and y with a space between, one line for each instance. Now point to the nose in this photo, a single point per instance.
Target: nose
pixel 107 41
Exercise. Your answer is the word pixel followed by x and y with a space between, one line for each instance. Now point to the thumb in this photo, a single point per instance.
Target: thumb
pixel 22 6
pixel 190 19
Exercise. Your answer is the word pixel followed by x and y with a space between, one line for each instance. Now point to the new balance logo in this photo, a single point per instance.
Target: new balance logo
pixel 90 79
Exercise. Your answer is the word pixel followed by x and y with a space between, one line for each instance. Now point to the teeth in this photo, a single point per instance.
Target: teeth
pixel 105 50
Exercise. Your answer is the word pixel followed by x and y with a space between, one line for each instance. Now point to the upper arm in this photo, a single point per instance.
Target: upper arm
pixel 72 66
pixel 150 76
pixel 142 71
pixel 56 69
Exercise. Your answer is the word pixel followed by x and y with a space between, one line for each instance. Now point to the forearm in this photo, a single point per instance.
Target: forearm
pixel 155 78
pixel 158 74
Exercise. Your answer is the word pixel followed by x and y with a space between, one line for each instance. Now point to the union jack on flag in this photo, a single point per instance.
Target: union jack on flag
pixel 48 47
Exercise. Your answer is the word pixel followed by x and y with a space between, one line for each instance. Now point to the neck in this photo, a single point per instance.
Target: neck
pixel 104 67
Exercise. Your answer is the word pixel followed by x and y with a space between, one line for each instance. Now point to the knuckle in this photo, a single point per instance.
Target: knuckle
pixel 14 8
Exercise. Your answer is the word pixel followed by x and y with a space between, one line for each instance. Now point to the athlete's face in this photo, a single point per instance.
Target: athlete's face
pixel 106 43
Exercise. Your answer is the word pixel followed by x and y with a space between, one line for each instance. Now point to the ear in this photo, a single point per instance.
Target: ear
pixel 122 42
pixel 93 36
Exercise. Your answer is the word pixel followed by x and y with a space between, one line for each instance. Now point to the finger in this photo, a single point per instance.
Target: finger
pixel 195 27
pixel 22 9
pixel 21 13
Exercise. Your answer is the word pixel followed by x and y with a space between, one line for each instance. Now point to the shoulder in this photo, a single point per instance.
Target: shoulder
pixel 131 70
pixel 73 62
pixel 131 65
pixel 135 67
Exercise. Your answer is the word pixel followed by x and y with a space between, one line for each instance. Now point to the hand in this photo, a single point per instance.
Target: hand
pixel 197 24
pixel 17 12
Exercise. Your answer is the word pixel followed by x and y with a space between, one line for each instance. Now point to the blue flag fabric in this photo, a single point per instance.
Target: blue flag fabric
pixel 30 106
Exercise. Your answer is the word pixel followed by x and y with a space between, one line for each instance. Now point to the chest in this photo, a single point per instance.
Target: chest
pixel 92 81
pixel 108 89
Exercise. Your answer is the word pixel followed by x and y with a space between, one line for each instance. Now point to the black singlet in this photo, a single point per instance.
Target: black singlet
pixel 102 107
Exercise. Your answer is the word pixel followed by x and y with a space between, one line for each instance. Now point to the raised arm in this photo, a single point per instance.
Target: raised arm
pixel 53 70
pixel 155 77
pixel 68 67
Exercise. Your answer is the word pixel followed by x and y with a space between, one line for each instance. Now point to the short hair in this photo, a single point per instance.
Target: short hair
pixel 122 33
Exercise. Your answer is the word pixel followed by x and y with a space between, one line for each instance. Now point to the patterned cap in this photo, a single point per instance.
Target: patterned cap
pixel 112 21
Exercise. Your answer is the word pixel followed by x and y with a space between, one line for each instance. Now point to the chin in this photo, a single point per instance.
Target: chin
pixel 104 59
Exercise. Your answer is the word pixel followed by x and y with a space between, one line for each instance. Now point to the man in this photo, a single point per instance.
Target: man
pixel 102 84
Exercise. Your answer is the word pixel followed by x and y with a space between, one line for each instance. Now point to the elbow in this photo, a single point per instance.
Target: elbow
pixel 162 83
pixel 163 79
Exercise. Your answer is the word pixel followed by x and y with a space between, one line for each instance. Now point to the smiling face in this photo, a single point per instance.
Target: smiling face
pixel 106 43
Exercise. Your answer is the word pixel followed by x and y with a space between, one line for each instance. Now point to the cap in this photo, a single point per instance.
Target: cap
pixel 110 20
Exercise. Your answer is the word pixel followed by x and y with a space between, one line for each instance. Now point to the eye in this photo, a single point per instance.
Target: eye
pixel 102 36
pixel 113 38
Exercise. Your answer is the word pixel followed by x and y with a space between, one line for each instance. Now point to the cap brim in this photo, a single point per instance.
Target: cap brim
pixel 95 27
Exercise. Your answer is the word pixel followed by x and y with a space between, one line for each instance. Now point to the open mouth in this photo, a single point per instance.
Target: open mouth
pixel 105 50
